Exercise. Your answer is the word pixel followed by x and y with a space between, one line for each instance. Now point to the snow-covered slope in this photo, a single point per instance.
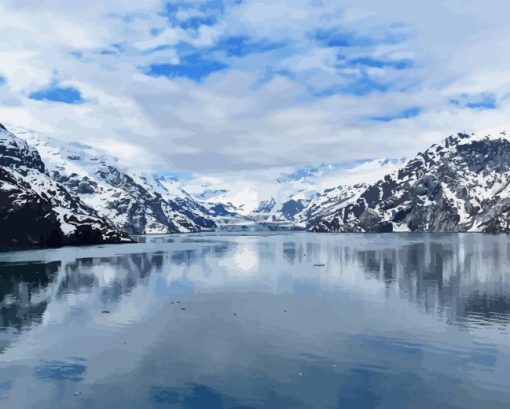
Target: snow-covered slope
pixel 37 210
pixel 329 202
pixel 136 203
pixel 286 198
pixel 238 199
pixel 462 184
pixel 304 191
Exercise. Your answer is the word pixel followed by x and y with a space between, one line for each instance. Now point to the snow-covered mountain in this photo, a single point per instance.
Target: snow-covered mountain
pixel 285 199
pixel 56 194
pixel 266 206
pixel 329 202
pixel 301 192
pixel 460 185
pixel 207 194
pixel 36 210
pixel 136 203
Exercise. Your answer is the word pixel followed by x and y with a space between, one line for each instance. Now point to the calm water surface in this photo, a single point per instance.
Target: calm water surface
pixel 277 321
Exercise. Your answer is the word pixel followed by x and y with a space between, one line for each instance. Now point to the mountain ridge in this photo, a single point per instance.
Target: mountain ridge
pixel 36 210
pixel 73 194
pixel 447 188
pixel 136 203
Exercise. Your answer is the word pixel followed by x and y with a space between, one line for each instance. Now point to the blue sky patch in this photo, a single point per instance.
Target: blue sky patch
pixel 358 87
pixel 336 38
pixel 406 114
pixel 56 93
pixel 377 63
pixel 3 81
pixel 339 38
pixel 483 101
pixel 241 46
pixel 364 86
pixel 204 13
pixel 196 22
pixel 192 66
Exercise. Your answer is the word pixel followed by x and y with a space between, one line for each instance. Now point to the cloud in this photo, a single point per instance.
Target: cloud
pixel 219 87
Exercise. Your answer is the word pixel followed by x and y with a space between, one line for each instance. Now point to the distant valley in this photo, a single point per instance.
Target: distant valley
pixel 54 194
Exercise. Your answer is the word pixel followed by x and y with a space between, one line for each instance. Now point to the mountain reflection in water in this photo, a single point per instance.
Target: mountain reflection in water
pixel 282 320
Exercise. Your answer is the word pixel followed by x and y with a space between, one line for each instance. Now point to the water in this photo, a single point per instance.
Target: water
pixel 290 320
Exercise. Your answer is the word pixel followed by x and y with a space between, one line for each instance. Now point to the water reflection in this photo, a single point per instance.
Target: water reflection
pixel 58 371
pixel 259 321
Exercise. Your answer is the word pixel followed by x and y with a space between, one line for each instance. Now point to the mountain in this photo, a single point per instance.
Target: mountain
pixel 134 202
pixel 265 206
pixel 460 185
pixel 291 198
pixel 329 202
pixel 207 194
pixel 36 210
pixel 54 194
pixel 306 193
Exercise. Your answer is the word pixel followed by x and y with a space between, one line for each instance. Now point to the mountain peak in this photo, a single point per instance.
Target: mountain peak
pixel 458 185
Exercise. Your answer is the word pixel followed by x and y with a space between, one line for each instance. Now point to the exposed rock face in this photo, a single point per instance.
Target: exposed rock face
pixel 291 208
pixel 301 196
pixel 25 217
pixel 266 206
pixel 136 203
pixel 329 202
pixel 35 210
pixel 461 185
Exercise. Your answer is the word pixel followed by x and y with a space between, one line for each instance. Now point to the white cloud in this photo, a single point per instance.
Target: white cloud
pixel 259 114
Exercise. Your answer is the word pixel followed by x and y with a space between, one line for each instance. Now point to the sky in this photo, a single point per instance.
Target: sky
pixel 236 89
